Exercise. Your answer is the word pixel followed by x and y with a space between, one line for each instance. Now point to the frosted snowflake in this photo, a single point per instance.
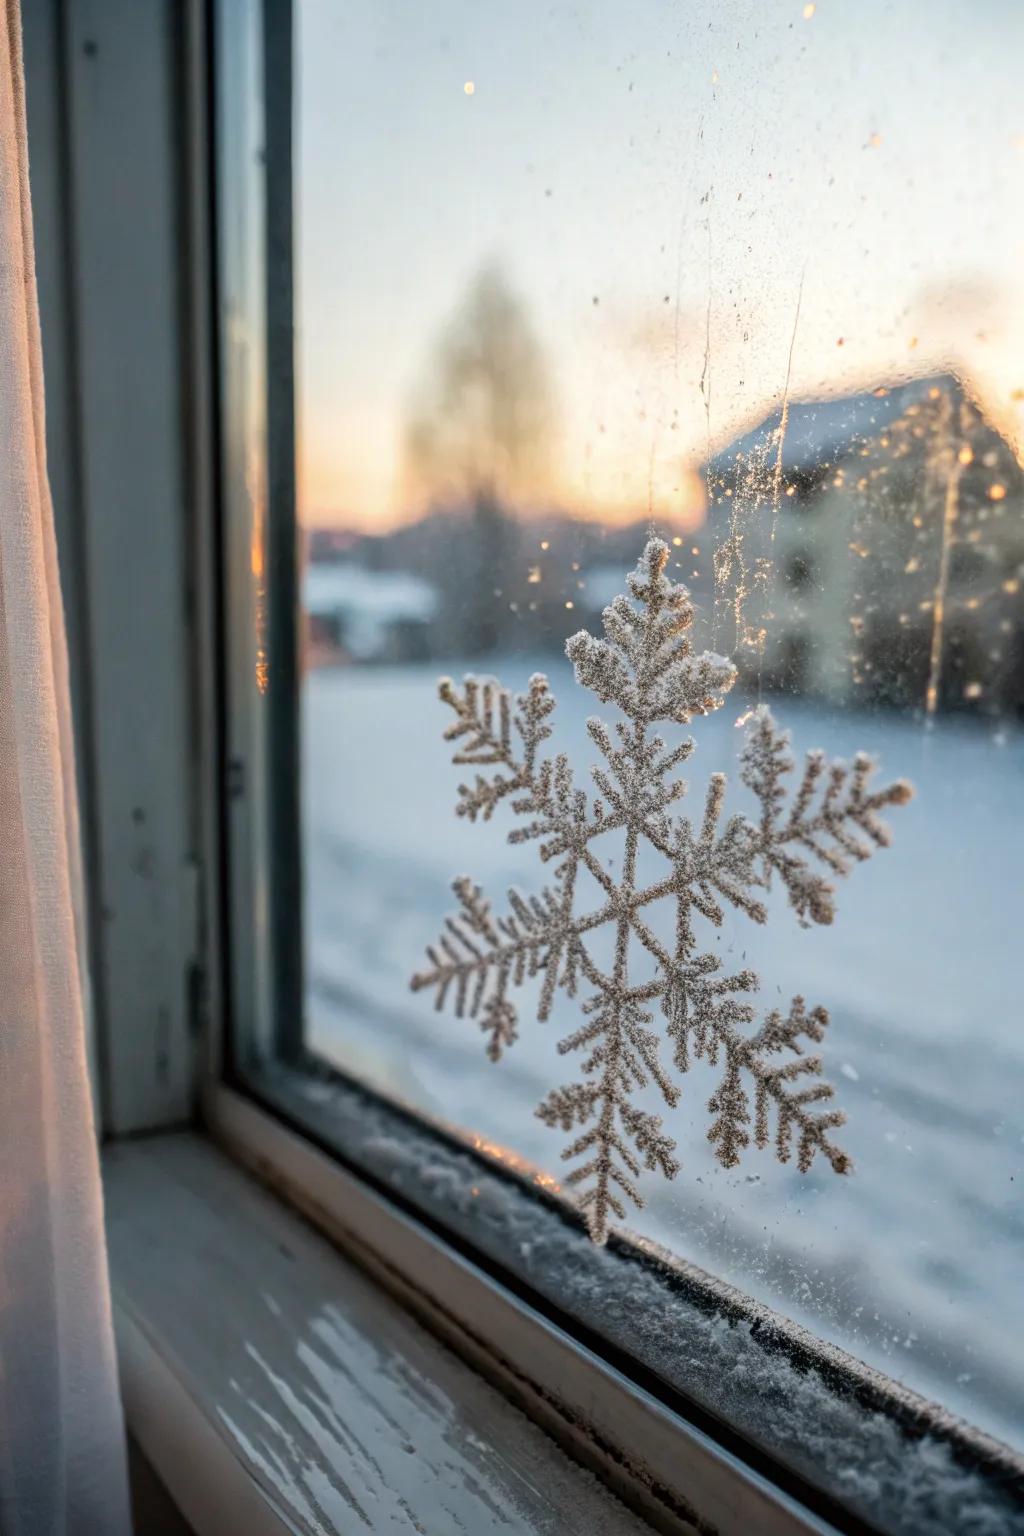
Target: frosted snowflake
pixel 646 667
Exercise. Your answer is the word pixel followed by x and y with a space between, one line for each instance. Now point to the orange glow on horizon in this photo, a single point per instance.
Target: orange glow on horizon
pixel 364 496
pixel 610 464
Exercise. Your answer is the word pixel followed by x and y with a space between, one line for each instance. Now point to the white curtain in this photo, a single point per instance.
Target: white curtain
pixel 62 1461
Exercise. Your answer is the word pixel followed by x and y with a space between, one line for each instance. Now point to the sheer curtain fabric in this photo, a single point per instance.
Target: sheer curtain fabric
pixel 62 1464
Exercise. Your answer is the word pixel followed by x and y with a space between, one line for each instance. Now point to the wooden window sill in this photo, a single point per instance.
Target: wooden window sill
pixel 274 1387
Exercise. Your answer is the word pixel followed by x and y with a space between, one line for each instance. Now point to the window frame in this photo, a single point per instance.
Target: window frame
pixel 669 1454
pixel 251 213
pixel 118 154
pixel 145 479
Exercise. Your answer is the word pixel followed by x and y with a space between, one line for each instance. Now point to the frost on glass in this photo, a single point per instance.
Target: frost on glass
pixel 647 668
pixel 748 279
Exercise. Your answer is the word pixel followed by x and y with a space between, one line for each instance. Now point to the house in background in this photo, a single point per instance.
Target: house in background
pixel 872 551
pixel 365 615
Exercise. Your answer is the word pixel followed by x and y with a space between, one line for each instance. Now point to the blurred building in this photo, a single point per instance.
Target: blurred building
pixel 364 615
pixel 871 549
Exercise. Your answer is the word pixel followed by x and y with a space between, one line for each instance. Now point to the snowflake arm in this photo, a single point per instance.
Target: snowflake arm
pixel 505 733
pixel 615 1136
pixel 833 816
pixel 485 715
pixel 711 1029
pixel 646 664
pixel 480 957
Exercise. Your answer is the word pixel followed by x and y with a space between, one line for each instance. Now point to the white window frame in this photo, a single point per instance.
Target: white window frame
pixel 104 104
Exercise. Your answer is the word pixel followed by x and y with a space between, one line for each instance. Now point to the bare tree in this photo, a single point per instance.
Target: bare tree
pixel 480 418
pixel 478 437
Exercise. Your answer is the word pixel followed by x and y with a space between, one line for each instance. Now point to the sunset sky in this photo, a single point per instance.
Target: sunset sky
pixel 662 184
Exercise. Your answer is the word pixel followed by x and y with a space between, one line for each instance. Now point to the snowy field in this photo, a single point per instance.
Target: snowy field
pixel 916 1262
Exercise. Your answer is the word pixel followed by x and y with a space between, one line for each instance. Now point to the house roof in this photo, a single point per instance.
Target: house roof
pixel 821 431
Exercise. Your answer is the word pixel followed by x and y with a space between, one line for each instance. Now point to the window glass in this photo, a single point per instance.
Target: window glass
pixel 749 278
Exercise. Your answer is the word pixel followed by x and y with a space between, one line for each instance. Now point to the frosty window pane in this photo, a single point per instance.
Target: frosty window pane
pixel 748 278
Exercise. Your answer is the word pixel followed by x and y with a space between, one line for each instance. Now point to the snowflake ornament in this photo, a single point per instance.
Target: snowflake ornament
pixel 646 667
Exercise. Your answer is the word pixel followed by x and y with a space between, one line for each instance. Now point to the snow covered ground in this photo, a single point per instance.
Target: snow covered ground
pixel 916 1262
